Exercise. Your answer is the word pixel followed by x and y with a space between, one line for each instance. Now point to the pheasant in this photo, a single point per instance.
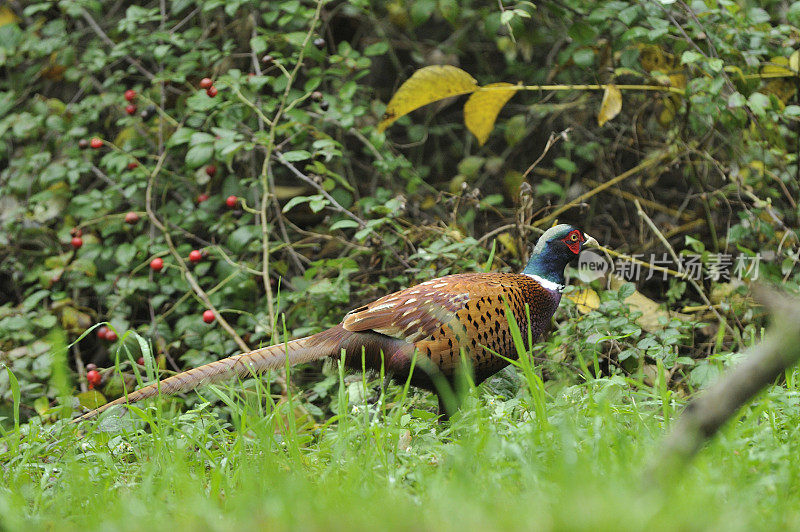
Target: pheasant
pixel 436 319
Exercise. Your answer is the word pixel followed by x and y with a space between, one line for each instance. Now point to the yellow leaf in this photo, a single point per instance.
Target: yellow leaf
pixel 777 66
pixel 508 242
pixel 586 300
pixel 611 105
pixel 427 85
pixel 125 134
pixel 652 313
pixel 7 16
pixel 794 61
pixel 41 405
pixel 91 399
pixel 483 106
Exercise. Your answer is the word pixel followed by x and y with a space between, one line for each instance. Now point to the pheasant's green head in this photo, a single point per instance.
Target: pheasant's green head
pixel 558 246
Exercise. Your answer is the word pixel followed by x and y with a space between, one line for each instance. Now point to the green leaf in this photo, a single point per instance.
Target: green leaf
pixel 200 102
pixel 343 224
pixel 758 103
pixel 792 110
pixel 379 48
pixel 199 155
pixel 715 64
pixel 201 137
pixel 258 45
pixel 297 200
pixel 181 136
pixel 583 57
pixel 565 165
pixel 317 203
pixel 242 236
pixel 626 290
pixel 688 57
pixel 15 396
pixel 735 100
pixel 297 155
pixel 125 253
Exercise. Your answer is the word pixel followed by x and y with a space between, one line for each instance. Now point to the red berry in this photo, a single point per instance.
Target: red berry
pixel 111 336
pixel 76 231
pixel 195 256
pixel 211 170
pixel 202 197
pixel 101 333
pixel 93 377
pixel 130 109
pixel 131 218
pixel 96 143
pixel 132 165
pixel 208 316
pixel 211 91
pixel 231 201
pixel 156 264
pixel 140 361
pixel 76 242
pixel 206 83
pixel 130 94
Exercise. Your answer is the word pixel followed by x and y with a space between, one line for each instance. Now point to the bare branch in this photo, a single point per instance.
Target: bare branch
pixel 703 417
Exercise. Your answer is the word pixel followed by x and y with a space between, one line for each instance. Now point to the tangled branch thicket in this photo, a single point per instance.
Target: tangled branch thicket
pixel 329 213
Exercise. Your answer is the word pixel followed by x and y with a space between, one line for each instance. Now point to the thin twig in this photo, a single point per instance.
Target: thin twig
pixel 647 163
pixel 181 263
pixel 336 205
pixel 624 194
pixel 550 143
pixel 265 168
pixel 100 33
pixel 699 289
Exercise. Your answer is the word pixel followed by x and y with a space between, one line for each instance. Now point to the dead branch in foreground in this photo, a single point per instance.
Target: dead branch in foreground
pixel 779 351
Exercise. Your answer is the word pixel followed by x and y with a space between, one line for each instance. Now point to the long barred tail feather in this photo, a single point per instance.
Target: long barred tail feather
pixel 259 361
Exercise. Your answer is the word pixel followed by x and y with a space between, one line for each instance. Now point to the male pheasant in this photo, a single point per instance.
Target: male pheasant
pixel 437 319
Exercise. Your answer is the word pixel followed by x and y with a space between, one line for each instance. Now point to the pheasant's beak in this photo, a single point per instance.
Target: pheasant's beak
pixel 590 242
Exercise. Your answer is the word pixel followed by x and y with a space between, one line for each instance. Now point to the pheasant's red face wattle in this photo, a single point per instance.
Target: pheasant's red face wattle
pixel 573 241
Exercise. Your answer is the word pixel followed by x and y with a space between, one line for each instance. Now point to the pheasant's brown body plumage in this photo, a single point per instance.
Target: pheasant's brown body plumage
pixel 441 317
pixel 437 319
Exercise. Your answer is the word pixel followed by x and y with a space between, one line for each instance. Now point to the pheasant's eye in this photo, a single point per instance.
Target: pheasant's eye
pixel 574 237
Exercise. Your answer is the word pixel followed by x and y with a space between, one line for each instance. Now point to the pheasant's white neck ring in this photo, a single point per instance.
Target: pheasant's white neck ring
pixel 550 285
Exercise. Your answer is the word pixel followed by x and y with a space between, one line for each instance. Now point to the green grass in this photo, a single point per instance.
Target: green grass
pixel 494 466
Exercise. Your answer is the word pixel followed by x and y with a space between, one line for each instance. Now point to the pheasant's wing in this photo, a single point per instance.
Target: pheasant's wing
pixel 416 312
pixel 444 316
pixel 420 311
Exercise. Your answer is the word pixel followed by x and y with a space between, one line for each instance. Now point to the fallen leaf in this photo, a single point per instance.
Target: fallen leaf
pixel 651 310
pixel 586 300
pixel 508 242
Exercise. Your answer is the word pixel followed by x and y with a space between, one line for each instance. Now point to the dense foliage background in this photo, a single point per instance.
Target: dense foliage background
pixel 327 213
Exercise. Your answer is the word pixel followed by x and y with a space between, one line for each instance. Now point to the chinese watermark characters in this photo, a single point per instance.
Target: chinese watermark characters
pixel 719 267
